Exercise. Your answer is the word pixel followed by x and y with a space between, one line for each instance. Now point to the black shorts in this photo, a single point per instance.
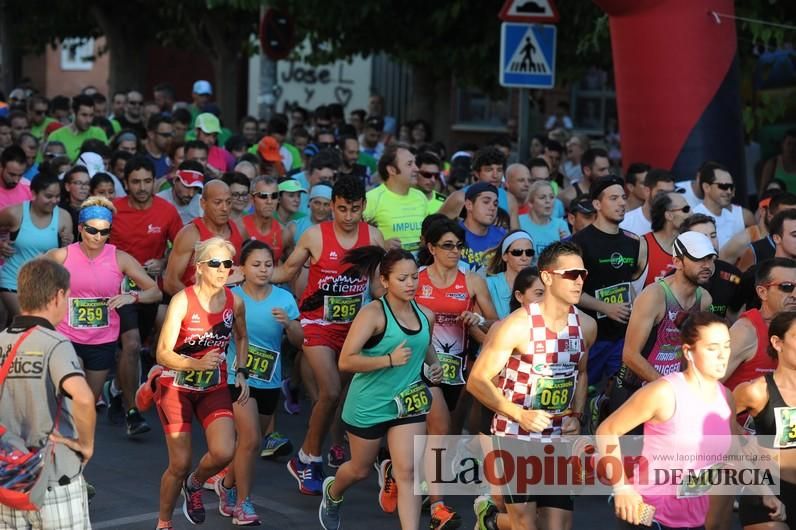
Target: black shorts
pixel 140 316
pixel 97 357
pixel 751 509
pixel 450 392
pixel 624 525
pixel 374 432
pixel 266 398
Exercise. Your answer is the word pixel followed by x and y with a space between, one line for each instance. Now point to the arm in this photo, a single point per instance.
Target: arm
pixel 751 396
pixel 66 233
pixel 768 172
pixel 514 221
pixel 743 345
pixel 11 218
pixel 241 347
pixel 179 258
pixel 733 248
pixel 149 289
pixel 288 240
pixel 58 255
pixel 165 354
pixel 453 205
pixel 642 258
pixel 367 323
pixel 290 268
pixel 646 313
pixel 618 312
pixel 431 354
pixel 288 317
pixel 572 424
pixel 479 292
pixel 84 415
pixel 748 217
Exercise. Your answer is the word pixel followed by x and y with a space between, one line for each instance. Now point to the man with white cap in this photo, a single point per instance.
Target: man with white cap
pixel 185 190
pixel 200 94
pixel 95 164
pixel 208 128
pixel 653 347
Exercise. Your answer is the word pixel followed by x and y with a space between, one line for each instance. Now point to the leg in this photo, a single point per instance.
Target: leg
pixel 324 368
pixel 522 515
pixel 242 469
pixel 220 450
pixel 307 377
pixel 401 442
pixel 95 379
pixel 720 513
pixel 127 372
pixel 179 447
pixel 363 453
pixel 337 431
pixel 555 519
pixel 438 422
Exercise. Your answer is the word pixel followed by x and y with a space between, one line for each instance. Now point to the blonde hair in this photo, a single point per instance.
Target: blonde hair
pixel 535 185
pixel 98 200
pixel 203 248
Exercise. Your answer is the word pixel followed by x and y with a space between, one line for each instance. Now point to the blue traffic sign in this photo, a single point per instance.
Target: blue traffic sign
pixel 527 55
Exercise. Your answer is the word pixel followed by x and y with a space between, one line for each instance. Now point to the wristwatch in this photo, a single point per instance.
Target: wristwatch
pixel 243 371
pixel 135 295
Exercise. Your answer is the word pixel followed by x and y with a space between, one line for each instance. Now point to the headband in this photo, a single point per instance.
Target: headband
pixel 95 212
pixel 516 236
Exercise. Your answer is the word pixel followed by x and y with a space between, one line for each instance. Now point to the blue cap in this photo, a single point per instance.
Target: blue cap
pixel 321 191
pixel 203 87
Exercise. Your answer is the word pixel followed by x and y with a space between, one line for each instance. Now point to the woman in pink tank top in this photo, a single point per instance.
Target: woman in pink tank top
pixel 684 413
pixel 97 270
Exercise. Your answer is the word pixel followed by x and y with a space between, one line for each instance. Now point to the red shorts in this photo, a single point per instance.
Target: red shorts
pixel 177 408
pixel 332 336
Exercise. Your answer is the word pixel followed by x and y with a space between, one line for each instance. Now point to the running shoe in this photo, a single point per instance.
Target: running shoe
pixel 136 424
pixel 329 510
pixel 210 484
pixel 275 444
pixel 115 407
pixel 485 513
pixel 388 489
pixel 336 456
pixel 309 476
pixel 291 402
pixel 383 455
pixel 227 498
pixel 192 505
pixel 245 514
pixel 145 396
pixel 444 518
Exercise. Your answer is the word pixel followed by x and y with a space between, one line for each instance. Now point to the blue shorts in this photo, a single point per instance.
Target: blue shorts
pixel 605 359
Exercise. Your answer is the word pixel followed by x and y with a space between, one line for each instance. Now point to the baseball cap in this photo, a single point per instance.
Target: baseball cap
pixel 694 245
pixel 93 162
pixel 602 183
pixel 52 126
pixel 268 149
pixel 374 122
pixel 208 123
pixel 478 188
pixel 321 191
pixel 291 185
pixel 202 87
pixel 583 205
pixel 190 178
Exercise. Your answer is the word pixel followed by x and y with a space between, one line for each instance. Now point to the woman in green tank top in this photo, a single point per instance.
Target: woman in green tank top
pixel 386 347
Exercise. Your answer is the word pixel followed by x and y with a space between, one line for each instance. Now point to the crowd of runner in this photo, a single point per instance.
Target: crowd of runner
pixel 218 270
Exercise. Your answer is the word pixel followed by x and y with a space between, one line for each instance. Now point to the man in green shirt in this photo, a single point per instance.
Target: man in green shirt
pixel 37 115
pixel 80 130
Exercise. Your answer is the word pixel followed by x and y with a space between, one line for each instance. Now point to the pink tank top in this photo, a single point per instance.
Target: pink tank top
pixel 93 282
pixel 696 428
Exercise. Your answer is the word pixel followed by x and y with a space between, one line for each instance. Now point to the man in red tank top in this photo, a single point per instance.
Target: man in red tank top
pixel 332 298
pixel 216 202
pixel 668 211
pixel 261 225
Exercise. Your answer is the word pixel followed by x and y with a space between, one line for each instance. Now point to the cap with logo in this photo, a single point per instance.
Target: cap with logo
pixel 694 245
pixel 203 87
pixel 93 162
pixel 191 178
pixel 208 123
pixel 291 185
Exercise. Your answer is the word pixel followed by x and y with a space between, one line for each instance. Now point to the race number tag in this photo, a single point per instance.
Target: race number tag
pixel 261 362
pixel 698 482
pixel 414 401
pixel 785 418
pixel 451 369
pixel 197 380
pixel 621 293
pixel 341 309
pixel 88 313
pixel 553 394
pixel 129 285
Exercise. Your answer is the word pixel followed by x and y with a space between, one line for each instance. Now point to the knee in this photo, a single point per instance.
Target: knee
pixel 131 343
pixel 222 454
pixel 329 393
pixel 440 425
pixel 248 439
pixel 403 472
pixel 359 472
pixel 180 466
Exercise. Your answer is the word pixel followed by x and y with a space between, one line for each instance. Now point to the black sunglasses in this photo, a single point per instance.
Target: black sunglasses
pixel 263 195
pixel 517 252
pixel 90 230
pixel 449 245
pixel 215 263
pixel 785 287
pixel 428 174
pixel 570 274
pixel 725 186
pixel 684 209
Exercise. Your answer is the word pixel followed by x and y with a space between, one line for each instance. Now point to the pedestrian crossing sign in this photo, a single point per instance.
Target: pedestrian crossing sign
pixel 527 55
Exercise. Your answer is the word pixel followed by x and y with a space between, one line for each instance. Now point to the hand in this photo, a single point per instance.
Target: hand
pixel 121 300
pixel 401 354
pixel 618 312
pixel 7 248
pixel 562 233
pixel 83 450
pixel 775 506
pixel 280 315
pixel 570 425
pixel 393 243
pixel 243 385
pixel 153 267
pixel 469 318
pixel 209 361
pixel 627 505
pixel 535 420
pixel 434 372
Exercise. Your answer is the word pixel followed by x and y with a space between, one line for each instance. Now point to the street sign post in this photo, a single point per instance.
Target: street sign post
pixel 527 55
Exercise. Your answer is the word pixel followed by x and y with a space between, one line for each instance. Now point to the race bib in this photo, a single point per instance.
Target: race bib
pixel 197 380
pixel 88 313
pixel 698 482
pixel 621 293
pixel 261 363
pixel 452 372
pixel 553 394
pixel 785 418
pixel 414 401
pixel 341 309
pixel 129 285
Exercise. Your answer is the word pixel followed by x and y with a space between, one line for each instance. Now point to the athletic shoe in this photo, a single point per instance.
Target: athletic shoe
pixel 192 505
pixel 115 407
pixel 291 402
pixel 388 489
pixel 275 444
pixel 329 510
pixel 210 484
pixel 309 476
pixel 245 514
pixel 444 518
pixel 145 395
pixel 485 513
pixel 336 456
pixel 227 498
pixel 383 454
pixel 136 424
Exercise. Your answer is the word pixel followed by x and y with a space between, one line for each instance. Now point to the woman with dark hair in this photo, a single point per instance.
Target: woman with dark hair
pixel 386 347
pixel 420 132
pixel 528 289
pixel 102 185
pixel 516 253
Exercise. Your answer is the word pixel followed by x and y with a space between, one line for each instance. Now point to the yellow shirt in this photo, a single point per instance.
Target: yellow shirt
pixel 397 216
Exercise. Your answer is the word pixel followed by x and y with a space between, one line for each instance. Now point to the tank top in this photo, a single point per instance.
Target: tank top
pixel 200 332
pixel 788 178
pixel 372 395
pixel 449 334
pixel 188 277
pixel 763 249
pixel 544 376
pixel 92 283
pixel 273 238
pixel 678 435
pixel 761 363
pixel 659 260
pixel 728 223
pixel 30 242
pixel 664 347
pixel 766 420
pixel 335 291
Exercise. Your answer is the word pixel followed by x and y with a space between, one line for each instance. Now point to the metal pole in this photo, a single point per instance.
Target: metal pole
pixel 524 125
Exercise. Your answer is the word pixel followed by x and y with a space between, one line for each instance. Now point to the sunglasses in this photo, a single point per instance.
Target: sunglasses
pixel 570 274
pixel 215 263
pixel 263 195
pixel 165 134
pixel 517 252
pixel 428 174
pixel 39 112
pixel 92 231
pixel 448 245
pixel 785 287
pixel 684 209
pixel 725 186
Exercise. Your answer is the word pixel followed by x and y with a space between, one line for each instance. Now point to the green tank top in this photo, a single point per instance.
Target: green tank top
pixel 371 396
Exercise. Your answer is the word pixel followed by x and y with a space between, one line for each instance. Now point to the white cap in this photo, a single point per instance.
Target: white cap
pixel 694 245
pixel 93 163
